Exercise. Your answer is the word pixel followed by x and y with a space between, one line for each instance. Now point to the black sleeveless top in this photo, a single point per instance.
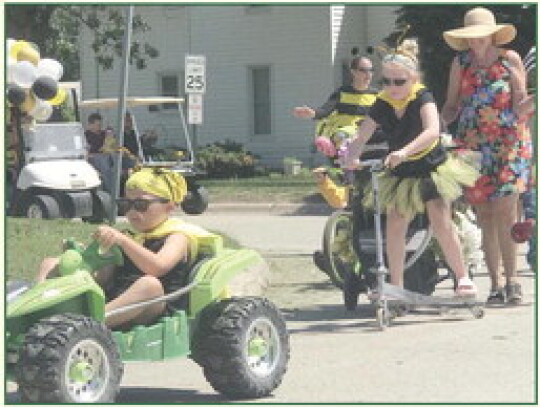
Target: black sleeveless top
pixel 176 278
pixel 401 131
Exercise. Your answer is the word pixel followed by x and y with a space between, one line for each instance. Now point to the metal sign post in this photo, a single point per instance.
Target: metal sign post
pixel 124 80
pixel 195 87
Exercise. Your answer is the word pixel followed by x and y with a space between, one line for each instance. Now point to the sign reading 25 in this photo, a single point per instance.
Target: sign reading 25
pixel 195 78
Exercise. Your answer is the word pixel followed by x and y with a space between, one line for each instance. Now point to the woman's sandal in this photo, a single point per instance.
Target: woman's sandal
pixel 466 288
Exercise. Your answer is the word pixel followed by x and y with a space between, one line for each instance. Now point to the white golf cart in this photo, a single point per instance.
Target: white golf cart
pixel 54 179
pixel 180 158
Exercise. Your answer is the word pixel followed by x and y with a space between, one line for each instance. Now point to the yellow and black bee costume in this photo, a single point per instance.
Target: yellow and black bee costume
pixel 429 174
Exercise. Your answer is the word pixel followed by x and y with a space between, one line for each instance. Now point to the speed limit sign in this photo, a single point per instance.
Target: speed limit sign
pixel 195 78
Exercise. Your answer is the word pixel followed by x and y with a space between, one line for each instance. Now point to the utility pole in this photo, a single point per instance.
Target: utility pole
pixel 124 81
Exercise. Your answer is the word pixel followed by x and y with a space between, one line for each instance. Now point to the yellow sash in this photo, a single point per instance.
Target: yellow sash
pixel 400 104
pixel 200 240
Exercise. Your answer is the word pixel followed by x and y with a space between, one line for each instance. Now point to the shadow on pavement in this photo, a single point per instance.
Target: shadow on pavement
pixel 335 318
pixel 149 395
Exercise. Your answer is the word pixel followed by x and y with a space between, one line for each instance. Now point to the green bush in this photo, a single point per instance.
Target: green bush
pixel 226 159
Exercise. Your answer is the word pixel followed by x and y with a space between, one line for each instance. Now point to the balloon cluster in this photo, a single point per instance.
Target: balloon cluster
pixel 32 81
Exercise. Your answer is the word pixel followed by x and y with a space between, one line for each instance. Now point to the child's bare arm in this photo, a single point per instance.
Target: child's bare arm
pixel 175 248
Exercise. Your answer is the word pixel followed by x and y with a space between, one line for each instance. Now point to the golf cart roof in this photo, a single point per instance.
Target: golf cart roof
pixel 130 101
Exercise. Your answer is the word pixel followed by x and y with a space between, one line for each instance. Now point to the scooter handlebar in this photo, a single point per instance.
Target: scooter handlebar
pixel 374 164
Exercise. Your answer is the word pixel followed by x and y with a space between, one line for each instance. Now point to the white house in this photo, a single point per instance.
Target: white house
pixel 261 61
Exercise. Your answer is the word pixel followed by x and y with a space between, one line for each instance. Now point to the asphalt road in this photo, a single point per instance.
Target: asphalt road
pixel 341 357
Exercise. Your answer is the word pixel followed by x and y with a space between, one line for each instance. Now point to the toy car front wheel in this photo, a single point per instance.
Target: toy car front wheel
pixel 69 359
pixel 243 346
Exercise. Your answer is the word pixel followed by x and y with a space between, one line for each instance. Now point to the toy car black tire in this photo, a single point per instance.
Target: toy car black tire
pixel 61 359
pixel 225 343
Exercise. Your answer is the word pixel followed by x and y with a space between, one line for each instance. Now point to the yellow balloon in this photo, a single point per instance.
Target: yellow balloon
pixel 23 51
pixel 59 98
pixel 16 47
pixel 29 102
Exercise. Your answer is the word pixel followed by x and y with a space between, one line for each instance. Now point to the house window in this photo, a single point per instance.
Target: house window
pixel 170 85
pixel 261 106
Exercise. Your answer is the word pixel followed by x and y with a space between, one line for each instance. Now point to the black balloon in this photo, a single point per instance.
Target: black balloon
pixel 45 87
pixel 15 94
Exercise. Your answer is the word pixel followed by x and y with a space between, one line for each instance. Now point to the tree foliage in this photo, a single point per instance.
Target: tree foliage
pixel 55 29
pixel 428 22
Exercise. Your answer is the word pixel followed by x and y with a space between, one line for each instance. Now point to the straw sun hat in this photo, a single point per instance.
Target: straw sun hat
pixel 479 22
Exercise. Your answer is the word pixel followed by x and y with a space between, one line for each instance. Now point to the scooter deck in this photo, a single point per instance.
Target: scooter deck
pixel 393 293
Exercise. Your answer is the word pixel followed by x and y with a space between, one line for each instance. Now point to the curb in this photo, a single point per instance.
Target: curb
pixel 287 209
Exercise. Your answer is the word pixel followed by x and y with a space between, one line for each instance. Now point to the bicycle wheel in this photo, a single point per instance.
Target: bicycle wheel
pixel 338 247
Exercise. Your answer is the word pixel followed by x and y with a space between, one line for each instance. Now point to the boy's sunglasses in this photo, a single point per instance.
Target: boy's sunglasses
pixel 140 205
pixel 395 82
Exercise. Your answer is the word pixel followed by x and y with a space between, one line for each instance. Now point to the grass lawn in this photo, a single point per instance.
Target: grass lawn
pixel 272 189
pixel 28 241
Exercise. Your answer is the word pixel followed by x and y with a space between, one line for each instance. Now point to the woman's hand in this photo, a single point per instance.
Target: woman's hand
pixel 108 237
pixel 304 112
pixel 395 158
pixel 348 162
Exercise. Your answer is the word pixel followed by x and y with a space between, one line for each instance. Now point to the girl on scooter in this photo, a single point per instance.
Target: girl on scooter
pixel 420 175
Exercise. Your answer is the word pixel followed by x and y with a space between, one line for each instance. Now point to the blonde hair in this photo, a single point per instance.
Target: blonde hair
pixel 405 54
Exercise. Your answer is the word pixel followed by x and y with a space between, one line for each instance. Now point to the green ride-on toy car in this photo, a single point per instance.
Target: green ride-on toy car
pixel 58 349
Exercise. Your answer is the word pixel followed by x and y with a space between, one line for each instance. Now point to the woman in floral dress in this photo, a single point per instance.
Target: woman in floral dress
pixel 485 89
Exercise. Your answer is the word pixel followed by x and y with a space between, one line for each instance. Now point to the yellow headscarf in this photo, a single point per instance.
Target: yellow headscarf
pixel 160 182
pixel 400 104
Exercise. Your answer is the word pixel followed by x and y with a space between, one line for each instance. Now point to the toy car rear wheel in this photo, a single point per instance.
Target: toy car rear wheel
pixel 243 346
pixel 69 359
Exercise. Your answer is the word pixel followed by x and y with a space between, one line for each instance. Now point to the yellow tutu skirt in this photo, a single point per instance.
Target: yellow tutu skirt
pixel 408 195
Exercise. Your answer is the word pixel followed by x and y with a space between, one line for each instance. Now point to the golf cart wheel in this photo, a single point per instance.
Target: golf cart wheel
pixel 69 358
pixel 41 207
pixel 338 246
pixel 242 345
pixel 383 318
pixel 101 207
pixel 422 276
pixel 196 200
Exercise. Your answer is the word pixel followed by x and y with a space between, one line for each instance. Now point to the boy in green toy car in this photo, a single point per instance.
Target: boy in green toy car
pixel 158 251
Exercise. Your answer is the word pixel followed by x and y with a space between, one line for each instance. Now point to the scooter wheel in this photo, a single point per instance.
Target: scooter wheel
pixel 478 312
